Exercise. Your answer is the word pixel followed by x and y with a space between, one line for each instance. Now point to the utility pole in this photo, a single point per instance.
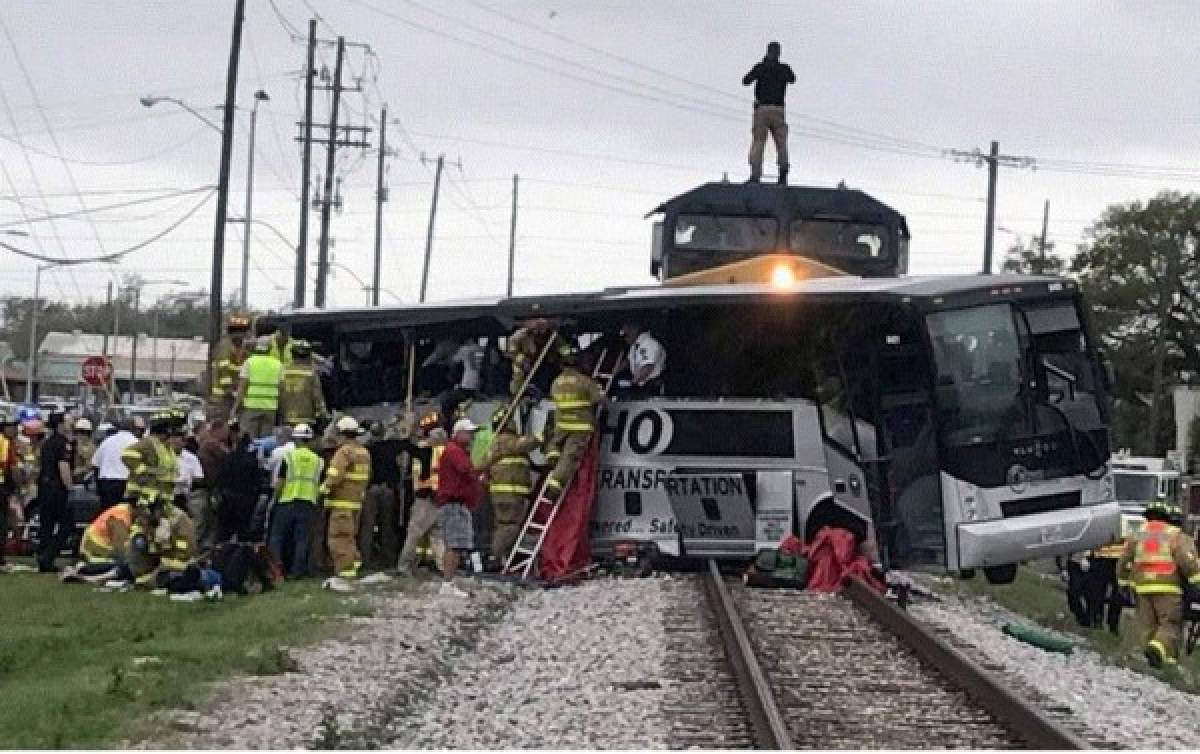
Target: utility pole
pixel 137 298
pixel 116 341
pixel 380 198
pixel 31 370
pixel 218 260
pixel 993 160
pixel 306 169
pixel 259 96
pixel 1042 242
pixel 331 156
pixel 512 240
pixel 437 185
pixel 108 303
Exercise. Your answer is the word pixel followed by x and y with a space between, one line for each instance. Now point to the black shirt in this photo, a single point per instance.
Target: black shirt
pixel 770 81
pixel 54 450
pixel 385 468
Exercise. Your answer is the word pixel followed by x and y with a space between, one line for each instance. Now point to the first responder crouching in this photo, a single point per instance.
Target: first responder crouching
pixel 1157 563
pixel 162 538
pixel 344 488
pixel 258 391
pixel 297 488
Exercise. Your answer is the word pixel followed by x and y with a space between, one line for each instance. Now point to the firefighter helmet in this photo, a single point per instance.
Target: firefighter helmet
pixel 237 323
pixel 347 425
pixel 83 425
pixel 302 432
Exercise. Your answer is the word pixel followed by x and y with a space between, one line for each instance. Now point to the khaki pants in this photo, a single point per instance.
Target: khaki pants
pixel 768 119
pixel 257 422
pixel 203 511
pixel 510 512
pixel 422 523
pixel 379 508
pixel 343 542
pixel 1161 616
pixel 566 451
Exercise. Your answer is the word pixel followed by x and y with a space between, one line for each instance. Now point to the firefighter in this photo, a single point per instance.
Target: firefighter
pixel 344 489
pixel 258 391
pixel 85 448
pixel 151 463
pixel 282 346
pixel 422 514
pixel 509 482
pixel 1156 564
pixel 227 359
pixel 300 398
pixel 10 472
pixel 575 397
pixel 105 543
pixel 523 348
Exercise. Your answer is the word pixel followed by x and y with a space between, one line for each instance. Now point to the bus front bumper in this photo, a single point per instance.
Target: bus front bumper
pixel 1038 535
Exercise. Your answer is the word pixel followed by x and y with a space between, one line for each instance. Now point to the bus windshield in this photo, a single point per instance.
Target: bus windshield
pixel 977 360
pixel 725 233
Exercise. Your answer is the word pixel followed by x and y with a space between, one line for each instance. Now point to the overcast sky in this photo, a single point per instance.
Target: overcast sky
pixel 603 108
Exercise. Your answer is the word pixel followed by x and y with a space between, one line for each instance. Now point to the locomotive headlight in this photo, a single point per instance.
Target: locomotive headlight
pixel 782 276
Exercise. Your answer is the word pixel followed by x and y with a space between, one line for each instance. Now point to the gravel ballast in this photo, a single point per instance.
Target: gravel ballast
pixel 347 688
pixel 1116 705
pixel 592 666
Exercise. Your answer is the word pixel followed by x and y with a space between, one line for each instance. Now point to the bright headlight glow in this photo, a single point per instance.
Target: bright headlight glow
pixel 782 276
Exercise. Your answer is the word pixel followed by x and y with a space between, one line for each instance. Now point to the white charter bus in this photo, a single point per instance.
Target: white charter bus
pixel 956 422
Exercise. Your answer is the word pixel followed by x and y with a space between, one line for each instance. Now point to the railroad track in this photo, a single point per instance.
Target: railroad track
pixel 855 671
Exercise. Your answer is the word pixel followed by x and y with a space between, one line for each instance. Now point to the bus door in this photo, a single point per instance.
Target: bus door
pixel 911 522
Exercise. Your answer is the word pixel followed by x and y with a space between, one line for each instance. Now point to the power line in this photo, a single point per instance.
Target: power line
pixel 119 205
pixel 105 163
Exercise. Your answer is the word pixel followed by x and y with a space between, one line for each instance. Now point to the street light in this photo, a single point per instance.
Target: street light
pixel 259 96
pixel 136 286
pixel 151 101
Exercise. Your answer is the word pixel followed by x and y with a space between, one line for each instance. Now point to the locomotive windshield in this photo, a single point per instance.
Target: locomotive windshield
pixel 725 233
pixel 839 238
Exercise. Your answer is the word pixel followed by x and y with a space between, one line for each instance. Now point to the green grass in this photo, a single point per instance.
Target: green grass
pixel 1038 595
pixel 84 669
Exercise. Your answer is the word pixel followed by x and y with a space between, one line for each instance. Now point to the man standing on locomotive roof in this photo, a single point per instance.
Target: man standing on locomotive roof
pixel 770 78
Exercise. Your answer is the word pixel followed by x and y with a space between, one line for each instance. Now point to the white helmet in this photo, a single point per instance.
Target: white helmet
pixel 347 425
pixel 83 425
pixel 302 432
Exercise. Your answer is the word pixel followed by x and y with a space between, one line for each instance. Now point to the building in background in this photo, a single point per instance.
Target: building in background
pixel 163 364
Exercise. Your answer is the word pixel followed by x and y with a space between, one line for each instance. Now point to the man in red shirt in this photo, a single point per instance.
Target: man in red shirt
pixel 458 492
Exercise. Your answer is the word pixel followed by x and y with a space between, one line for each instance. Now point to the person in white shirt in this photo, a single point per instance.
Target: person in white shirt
pixel 111 473
pixel 647 361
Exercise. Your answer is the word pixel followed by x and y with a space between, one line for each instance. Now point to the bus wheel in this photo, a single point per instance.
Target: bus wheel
pixel 966 574
pixel 1004 574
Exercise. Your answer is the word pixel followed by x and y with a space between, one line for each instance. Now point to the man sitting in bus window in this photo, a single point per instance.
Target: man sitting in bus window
pixel 647 361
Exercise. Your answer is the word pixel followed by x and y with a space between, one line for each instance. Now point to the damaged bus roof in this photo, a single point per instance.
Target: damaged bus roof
pixel 499 315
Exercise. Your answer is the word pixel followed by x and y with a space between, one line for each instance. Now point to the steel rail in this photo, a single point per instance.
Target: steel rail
pixel 770 729
pixel 1013 711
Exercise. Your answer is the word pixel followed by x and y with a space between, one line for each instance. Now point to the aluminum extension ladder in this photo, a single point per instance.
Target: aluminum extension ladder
pixel 544 509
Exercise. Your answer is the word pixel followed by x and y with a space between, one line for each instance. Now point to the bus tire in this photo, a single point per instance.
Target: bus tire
pixel 1002 574
pixel 829 513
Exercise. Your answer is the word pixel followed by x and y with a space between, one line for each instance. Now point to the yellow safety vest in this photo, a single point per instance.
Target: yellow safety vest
pixel 262 383
pixel 97 545
pixel 3 459
pixel 303 476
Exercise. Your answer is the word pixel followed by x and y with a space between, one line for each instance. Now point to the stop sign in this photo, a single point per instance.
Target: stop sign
pixel 96 370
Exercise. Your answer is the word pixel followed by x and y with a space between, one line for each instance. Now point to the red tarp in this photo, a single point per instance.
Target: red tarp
pixel 833 559
pixel 567 553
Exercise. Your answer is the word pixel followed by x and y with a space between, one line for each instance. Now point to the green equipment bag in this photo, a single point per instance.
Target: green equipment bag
pixel 777 570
